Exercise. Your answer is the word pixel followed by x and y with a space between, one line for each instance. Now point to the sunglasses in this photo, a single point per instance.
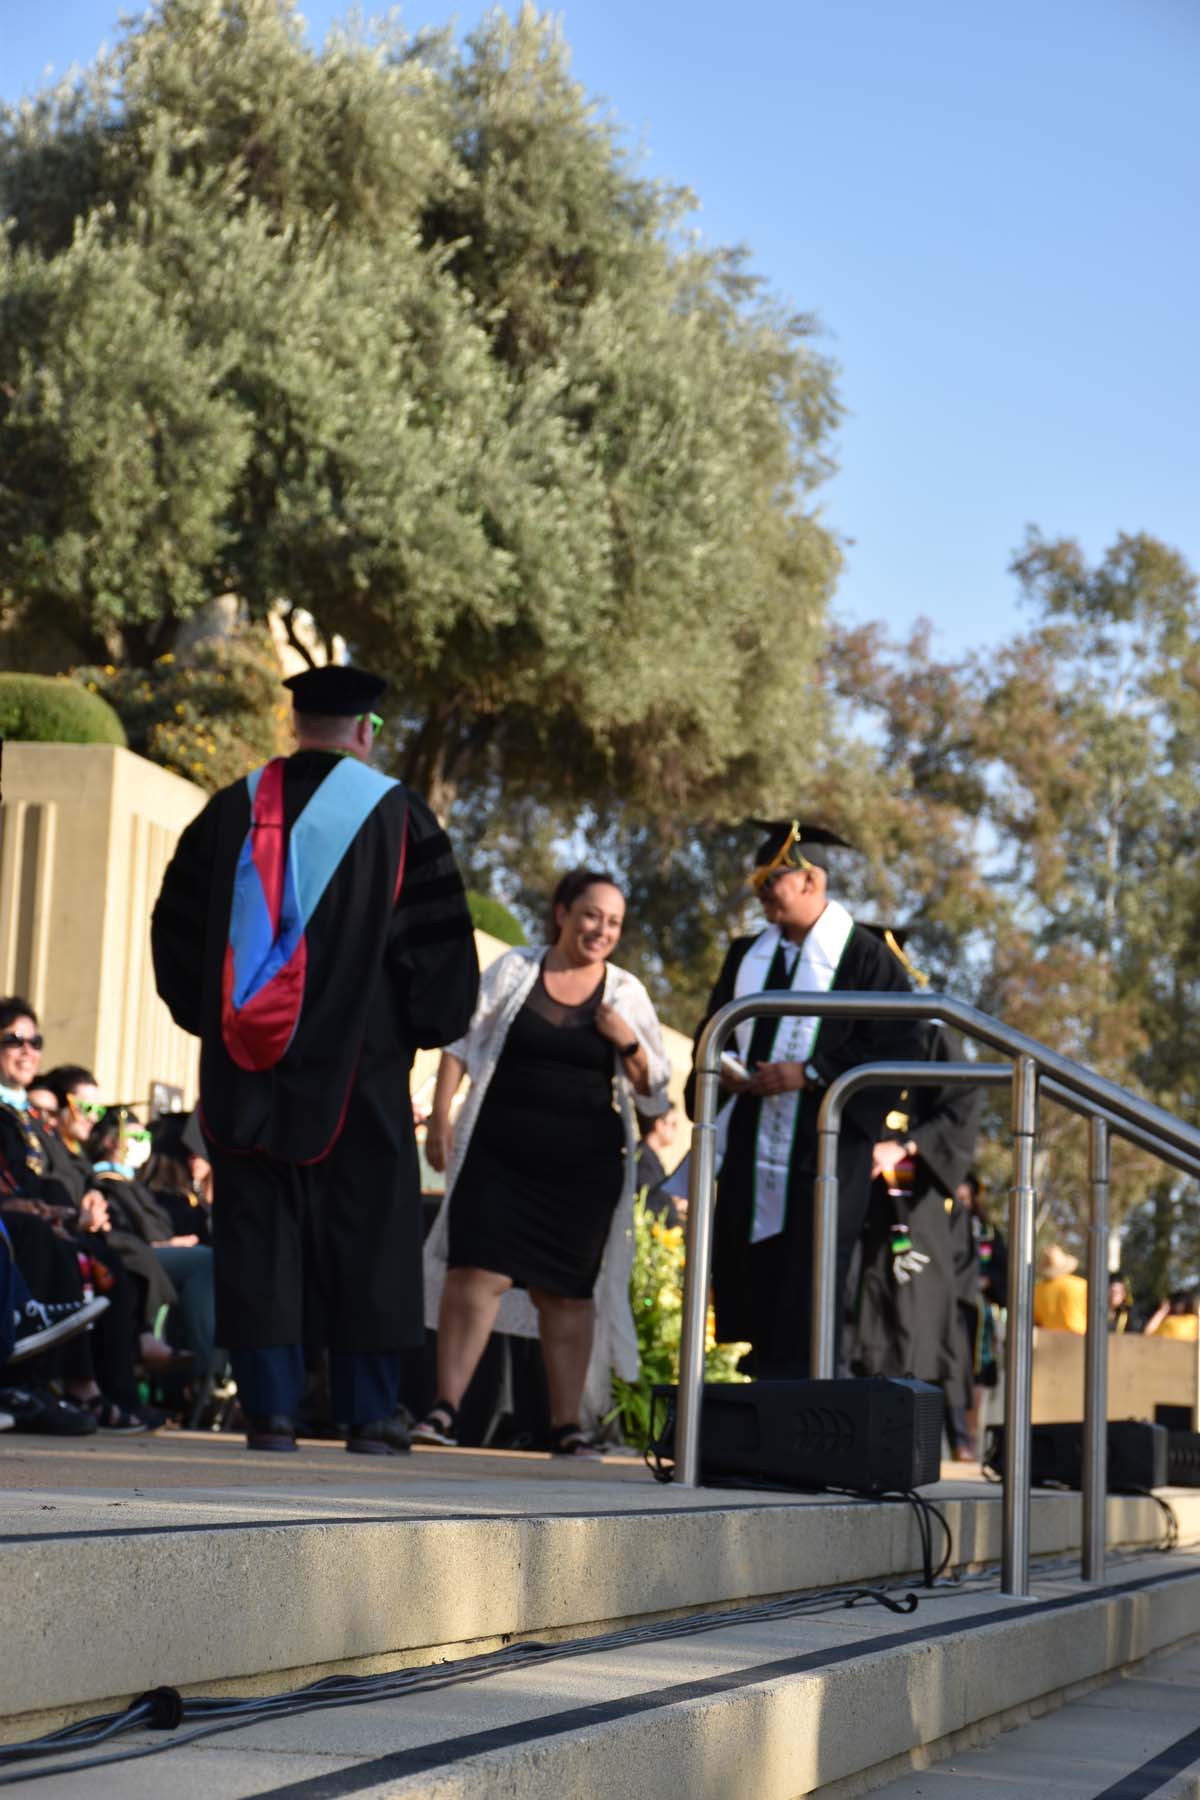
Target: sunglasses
pixel 376 721
pixel 12 1040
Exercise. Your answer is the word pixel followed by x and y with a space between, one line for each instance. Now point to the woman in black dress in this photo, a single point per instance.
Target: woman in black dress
pixel 562 1046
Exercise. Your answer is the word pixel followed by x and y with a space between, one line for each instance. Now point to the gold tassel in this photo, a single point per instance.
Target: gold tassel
pixel 905 961
pixel 781 859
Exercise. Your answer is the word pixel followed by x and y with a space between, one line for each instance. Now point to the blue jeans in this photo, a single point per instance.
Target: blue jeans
pixel 363 1384
pixel 190 1268
pixel 13 1295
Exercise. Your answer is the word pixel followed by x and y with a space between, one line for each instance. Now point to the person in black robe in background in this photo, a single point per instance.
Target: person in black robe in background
pixel 762 1283
pixel 908 1316
pixel 316 1189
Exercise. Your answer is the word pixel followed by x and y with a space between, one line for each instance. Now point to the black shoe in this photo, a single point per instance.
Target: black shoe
pixel 36 1409
pixel 42 1323
pixel 274 1431
pixel 110 1416
pixel 381 1437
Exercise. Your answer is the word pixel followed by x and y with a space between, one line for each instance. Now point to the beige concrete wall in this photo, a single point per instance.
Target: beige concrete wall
pixel 1142 1373
pixel 86 831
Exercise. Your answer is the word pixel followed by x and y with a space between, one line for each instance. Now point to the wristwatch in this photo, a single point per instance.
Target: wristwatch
pixel 629 1049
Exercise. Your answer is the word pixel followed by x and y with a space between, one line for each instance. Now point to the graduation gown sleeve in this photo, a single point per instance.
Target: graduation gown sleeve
pixel 180 921
pixel 431 946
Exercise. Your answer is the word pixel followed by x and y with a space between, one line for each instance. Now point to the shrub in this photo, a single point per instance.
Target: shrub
pixel 50 709
pixel 211 719
pixel 494 917
pixel 656 1294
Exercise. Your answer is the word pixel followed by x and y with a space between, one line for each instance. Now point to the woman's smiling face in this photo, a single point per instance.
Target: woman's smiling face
pixel 20 1052
pixel 590 928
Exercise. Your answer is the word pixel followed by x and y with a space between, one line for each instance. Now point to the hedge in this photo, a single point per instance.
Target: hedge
pixel 50 709
pixel 494 917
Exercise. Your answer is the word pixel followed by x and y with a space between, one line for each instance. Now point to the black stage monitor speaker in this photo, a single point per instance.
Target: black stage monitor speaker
pixel 1137 1455
pixel 1183 1459
pixel 872 1436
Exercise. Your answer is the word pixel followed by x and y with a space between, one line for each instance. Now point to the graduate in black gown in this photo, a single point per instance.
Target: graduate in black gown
pixel 908 1317
pixel 763 1229
pixel 312 956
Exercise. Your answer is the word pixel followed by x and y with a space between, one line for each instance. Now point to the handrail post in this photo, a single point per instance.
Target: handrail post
pixel 1095 1390
pixel 1018 1361
pixel 698 1264
pixel 826 1301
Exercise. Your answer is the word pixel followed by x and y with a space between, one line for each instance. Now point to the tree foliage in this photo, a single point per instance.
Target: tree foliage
pixel 1036 814
pixel 394 333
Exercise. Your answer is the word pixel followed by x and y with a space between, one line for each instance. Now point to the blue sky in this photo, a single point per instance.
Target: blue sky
pixel 992 210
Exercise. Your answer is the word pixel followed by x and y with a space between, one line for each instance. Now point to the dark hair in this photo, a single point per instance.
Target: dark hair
pixel 1184 1300
pixel 13 1008
pixel 63 1080
pixel 574 883
pixel 166 1174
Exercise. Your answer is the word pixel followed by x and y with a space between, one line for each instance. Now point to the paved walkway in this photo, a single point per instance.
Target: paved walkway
pixel 1134 1738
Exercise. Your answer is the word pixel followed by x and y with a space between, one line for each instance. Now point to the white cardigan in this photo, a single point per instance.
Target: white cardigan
pixel 503 990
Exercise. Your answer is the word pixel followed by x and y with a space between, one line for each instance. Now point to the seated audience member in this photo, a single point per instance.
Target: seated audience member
pixel 1176 1317
pixel 79 1109
pixel 1059 1294
pixel 96 1371
pixel 658 1134
pixel 115 1148
pixel 28 1327
pixel 180 1177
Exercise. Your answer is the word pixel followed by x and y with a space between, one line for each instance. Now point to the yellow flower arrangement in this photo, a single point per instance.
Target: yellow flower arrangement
pixel 656 1294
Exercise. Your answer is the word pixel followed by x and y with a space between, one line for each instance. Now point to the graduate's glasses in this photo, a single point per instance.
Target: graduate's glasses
pixel 12 1040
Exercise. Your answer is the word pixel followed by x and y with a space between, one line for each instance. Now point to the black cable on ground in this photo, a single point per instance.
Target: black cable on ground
pixel 166 1709
pixel 1170 1516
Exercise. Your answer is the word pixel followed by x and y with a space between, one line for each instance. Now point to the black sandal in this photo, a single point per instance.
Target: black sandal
pixel 439 1426
pixel 569 1440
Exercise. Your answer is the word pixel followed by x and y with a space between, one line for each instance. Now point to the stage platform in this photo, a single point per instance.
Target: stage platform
pixel 186 1561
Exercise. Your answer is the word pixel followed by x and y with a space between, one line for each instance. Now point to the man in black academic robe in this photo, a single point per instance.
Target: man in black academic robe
pixel 762 1285
pixel 908 1321
pixel 316 1188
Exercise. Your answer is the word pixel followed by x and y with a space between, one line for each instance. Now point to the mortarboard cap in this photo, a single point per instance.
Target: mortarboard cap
pixel 792 844
pixel 336 691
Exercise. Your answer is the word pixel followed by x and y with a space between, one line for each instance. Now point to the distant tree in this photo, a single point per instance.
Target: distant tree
pixel 392 333
pixel 1089 731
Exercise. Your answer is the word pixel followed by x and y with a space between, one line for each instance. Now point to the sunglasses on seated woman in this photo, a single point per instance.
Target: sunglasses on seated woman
pixel 12 1040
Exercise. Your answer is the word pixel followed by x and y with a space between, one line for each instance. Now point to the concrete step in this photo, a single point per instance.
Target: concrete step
pixel 336 1563
pixel 762 1708
pixel 1136 1734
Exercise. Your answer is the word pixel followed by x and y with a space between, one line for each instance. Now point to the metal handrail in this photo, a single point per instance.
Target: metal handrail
pixel 1110 1106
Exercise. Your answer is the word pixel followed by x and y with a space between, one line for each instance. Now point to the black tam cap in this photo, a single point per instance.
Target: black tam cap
pixel 792 844
pixel 336 691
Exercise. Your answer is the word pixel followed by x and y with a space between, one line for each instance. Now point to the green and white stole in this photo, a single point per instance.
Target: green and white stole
pixel 813 971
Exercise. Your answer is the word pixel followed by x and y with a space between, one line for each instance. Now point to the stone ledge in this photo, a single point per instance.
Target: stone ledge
pixel 194 1605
